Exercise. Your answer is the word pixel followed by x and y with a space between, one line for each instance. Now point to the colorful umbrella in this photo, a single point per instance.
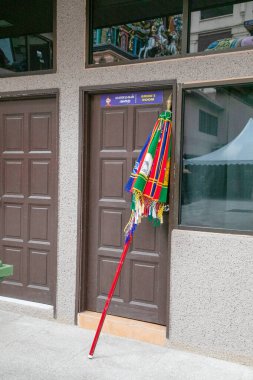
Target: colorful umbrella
pixel 148 184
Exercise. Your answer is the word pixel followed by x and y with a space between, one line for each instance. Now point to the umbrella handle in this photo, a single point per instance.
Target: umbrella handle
pixel 109 298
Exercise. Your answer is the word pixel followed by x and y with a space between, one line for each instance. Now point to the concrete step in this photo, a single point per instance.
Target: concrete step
pixel 124 327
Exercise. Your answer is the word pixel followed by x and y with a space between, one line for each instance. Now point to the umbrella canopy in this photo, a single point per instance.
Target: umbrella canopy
pixel 149 179
pixel 238 151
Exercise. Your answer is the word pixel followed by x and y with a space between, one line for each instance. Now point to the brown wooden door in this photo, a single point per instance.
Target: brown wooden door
pixel 28 198
pixel 117 135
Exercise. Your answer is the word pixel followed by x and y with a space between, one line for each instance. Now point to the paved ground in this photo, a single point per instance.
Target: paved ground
pixel 34 349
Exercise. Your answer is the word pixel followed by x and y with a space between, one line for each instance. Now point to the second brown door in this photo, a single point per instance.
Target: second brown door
pixel 117 136
pixel 28 190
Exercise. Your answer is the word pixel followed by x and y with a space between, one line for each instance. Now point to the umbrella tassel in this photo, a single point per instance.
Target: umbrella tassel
pixel 160 212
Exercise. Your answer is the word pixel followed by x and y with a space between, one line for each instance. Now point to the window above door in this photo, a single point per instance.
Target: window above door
pixel 121 32
pixel 27 36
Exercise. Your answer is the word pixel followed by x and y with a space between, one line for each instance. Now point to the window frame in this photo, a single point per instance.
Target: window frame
pixel 41 72
pixel 178 166
pixel 185 41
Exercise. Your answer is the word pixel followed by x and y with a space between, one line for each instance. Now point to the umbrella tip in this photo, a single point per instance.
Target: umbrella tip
pixel 90 356
pixel 169 101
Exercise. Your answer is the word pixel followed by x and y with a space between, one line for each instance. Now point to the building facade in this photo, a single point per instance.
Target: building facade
pixel 65 158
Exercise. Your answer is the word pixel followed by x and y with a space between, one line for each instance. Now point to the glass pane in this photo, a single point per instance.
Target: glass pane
pixel 138 38
pixel 216 12
pixel 217 176
pixel 26 36
pixel 222 27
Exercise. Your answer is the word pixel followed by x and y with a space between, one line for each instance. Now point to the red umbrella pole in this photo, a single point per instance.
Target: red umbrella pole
pixel 109 298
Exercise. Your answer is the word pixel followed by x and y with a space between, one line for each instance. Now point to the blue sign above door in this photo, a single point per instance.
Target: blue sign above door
pixel 131 99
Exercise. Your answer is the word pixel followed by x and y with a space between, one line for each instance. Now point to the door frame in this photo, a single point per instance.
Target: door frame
pixel 35 95
pixel 85 94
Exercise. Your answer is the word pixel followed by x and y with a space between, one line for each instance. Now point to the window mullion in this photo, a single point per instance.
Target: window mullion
pixel 186 26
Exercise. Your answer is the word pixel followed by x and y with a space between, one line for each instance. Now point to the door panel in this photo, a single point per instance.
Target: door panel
pixel 28 198
pixel 116 137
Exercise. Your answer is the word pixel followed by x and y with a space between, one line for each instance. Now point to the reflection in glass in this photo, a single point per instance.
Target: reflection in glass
pixel 26 53
pixel 138 40
pixel 217 178
pixel 26 35
pixel 223 27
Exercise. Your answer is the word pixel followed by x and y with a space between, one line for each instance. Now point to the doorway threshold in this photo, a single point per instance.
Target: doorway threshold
pixel 124 327
pixel 33 309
